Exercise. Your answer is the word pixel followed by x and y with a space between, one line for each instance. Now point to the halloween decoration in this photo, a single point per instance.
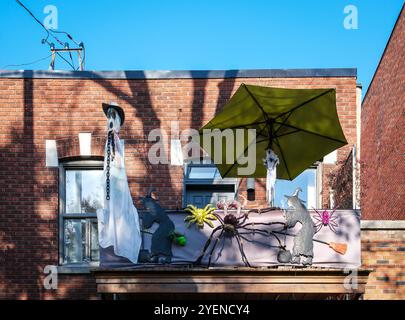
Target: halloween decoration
pixel 261 248
pixel 144 256
pixel 178 239
pixel 303 245
pixel 284 256
pixel 232 205
pixel 118 222
pixel 200 216
pixel 161 248
pixel 264 210
pixel 326 219
pixel 235 228
pixel 271 162
pixel 340 248
pixel 225 205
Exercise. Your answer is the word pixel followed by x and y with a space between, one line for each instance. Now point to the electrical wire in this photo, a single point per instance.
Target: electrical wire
pixel 71 59
pixel 67 34
pixel 50 33
pixel 63 58
pixel 26 64
pixel 42 25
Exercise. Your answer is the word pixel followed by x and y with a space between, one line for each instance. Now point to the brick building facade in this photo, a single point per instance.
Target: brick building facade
pixel 37 106
pixel 383 171
pixel 383 120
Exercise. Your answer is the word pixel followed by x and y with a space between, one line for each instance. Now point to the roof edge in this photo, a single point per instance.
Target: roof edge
pixel 384 52
pixel 181 74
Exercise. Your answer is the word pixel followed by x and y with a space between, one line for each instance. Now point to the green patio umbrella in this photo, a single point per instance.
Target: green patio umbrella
pixel 301 126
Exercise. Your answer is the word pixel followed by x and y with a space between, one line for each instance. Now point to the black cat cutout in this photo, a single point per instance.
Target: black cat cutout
pixel 161 239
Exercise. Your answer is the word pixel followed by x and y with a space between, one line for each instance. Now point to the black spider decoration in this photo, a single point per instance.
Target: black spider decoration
pixel 235 227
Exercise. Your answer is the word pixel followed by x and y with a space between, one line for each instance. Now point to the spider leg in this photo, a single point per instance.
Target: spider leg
pixel 318 227
pixel 333 227
pixel 265 233
pixel 242 252
pixel 334 219
pixel 213 247
pixel 317 218
pixel 207 244
pixel 255 231
pixel 334 223
pixel 259 224
pixel 244 217
pixel 219 218
pixel 318 213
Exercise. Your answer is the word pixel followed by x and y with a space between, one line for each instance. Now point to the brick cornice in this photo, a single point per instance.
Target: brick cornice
pixel 181 74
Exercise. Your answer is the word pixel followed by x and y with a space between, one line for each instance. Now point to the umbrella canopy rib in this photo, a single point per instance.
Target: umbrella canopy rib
pixel 265 115
pixel 290 112
pixel 233 164
pixel 242 126
pixel 314 133
pixel 302 104
pixel 281 135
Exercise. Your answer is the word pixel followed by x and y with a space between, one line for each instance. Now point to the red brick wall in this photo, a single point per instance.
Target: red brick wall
pixel 33 110
pixel 382 138
pixel 384 252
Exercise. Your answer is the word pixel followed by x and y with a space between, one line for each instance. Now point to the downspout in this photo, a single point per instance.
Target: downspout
pixel 356 150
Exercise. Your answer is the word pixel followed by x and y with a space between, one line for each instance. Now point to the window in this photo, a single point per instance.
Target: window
pixel 308 184
pixel 80 196
pixel 203 185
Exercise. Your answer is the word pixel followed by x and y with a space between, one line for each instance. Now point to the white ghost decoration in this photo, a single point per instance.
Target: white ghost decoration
pixel 271 161
pixel 118 222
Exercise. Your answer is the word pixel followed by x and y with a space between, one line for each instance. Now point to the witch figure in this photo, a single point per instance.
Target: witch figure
pixel 118 222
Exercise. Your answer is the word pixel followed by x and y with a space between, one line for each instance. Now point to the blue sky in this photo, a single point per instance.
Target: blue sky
pixel 210 34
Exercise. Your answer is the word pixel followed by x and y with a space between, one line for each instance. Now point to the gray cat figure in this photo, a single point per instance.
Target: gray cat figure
pixel 303 245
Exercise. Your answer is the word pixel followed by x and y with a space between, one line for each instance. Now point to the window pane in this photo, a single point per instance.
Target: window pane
pixel 204 173
pixel 306 181
pixel 84 192
pixel 94 249
pixel 75 240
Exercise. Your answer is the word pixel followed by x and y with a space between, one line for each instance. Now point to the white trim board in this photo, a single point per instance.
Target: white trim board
pixel 382 224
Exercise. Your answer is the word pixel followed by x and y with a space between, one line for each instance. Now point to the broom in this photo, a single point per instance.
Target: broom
pixel 340 248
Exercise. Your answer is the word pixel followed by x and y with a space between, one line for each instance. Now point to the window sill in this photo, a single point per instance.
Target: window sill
pixel 75 269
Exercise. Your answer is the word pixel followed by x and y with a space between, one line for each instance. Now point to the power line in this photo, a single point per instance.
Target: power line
pixel 67 34
pixel 26 64
pixel 63 58
pixel 50 33
pixel 42 25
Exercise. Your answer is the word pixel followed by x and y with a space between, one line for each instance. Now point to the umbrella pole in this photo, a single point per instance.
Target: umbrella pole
pixel 270 181
pixel 271 162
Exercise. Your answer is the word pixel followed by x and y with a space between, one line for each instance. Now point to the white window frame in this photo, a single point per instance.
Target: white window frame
pixel 204 162
pixel 317 166
pixel 80 163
